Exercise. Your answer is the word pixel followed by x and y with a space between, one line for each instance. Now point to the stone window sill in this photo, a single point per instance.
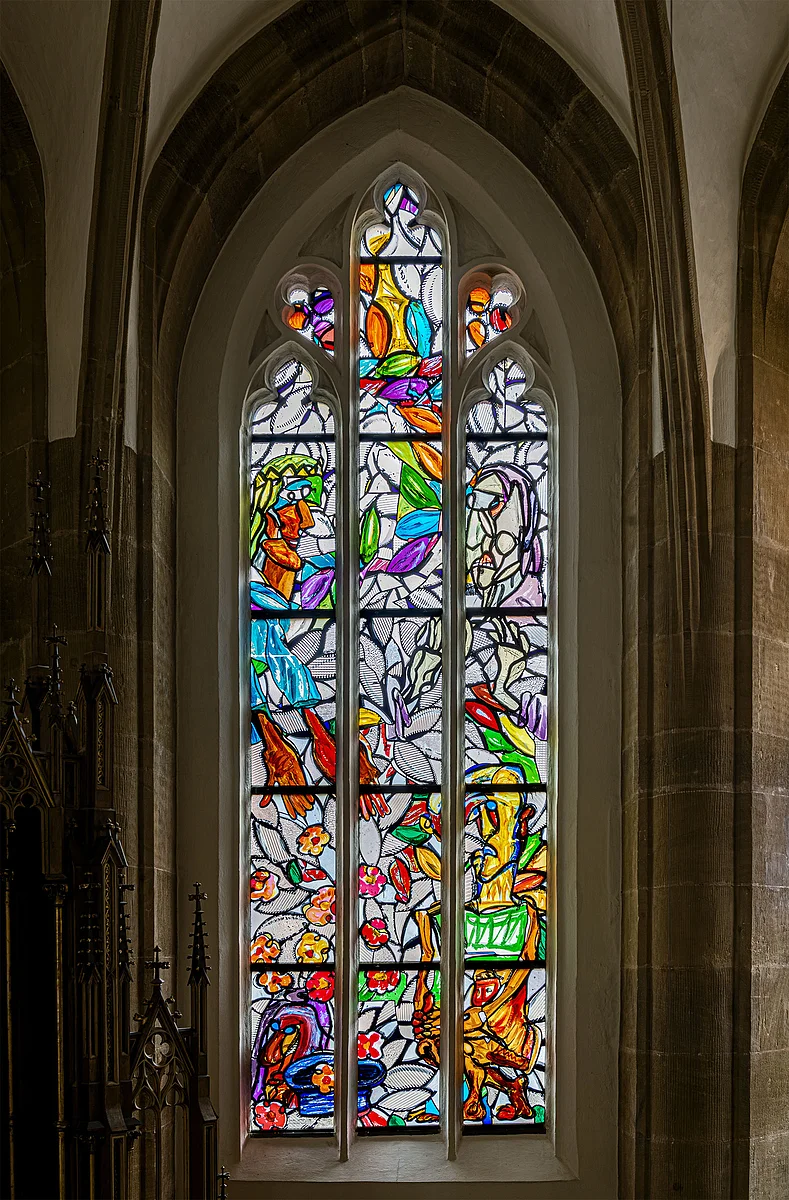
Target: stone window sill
pixel 526 1158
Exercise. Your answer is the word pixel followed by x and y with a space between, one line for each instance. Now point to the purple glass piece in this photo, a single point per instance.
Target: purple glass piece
pixel 403 389
pixel 411 556
pixel 324 303
pixel 316 588
pixel 537 717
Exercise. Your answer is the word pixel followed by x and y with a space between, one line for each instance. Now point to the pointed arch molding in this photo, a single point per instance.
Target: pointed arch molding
pixel 316 63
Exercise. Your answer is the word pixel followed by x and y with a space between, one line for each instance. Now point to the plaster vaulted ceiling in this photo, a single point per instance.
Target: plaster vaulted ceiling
pixel 195 36
pixel 727 55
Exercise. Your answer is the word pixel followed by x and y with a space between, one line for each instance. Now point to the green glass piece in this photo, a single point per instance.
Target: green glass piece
pixel 404 451
pixel 315 494
pixel 415 489
pixel 293 871
pixel 497 743
pixel 497 934
pixel 533 843
pixel 413 834
pixel 397 365
pixel 370 536
pixel 395 1120
pixel 394 994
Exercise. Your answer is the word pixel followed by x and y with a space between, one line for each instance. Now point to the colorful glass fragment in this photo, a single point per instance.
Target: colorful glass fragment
pixel 489 309
pixel 400 880
pixel 507 495
pixel 293 673
pixel 311 313
pixel 292 878
pixel 400 679
pixel 401 304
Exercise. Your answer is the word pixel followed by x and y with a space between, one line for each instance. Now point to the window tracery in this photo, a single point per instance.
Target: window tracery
pixel 309 310
pixel 491 308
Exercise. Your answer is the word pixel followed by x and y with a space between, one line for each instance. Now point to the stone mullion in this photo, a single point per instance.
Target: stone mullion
pixel 453 666
pixel 347 609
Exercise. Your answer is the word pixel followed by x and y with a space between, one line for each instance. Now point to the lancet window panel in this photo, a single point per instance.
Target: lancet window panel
pixel 506 751
pixel 353 628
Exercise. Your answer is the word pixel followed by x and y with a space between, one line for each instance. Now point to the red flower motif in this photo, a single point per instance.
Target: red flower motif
pixel 321 986
pixel 320 910
pixel 323 1078
pixel 371 880
pixel 270 1116
pixel 369 1045
pixel 263 885
pixel 265 949
pixel 382 981
pixel 375 932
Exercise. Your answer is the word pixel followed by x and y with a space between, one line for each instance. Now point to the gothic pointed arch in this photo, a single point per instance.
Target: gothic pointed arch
pixel 314 64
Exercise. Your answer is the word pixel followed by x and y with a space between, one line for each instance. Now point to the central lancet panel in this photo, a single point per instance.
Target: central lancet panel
pixel 401 372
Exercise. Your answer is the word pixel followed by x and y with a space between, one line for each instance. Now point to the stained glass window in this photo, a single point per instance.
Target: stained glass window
pixel 398 704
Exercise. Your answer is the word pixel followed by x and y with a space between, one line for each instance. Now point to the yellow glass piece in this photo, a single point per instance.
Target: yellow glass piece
pixel 390 298
pixel 428 861
pixel 520 738
pixel 377 241
pixel 476 332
